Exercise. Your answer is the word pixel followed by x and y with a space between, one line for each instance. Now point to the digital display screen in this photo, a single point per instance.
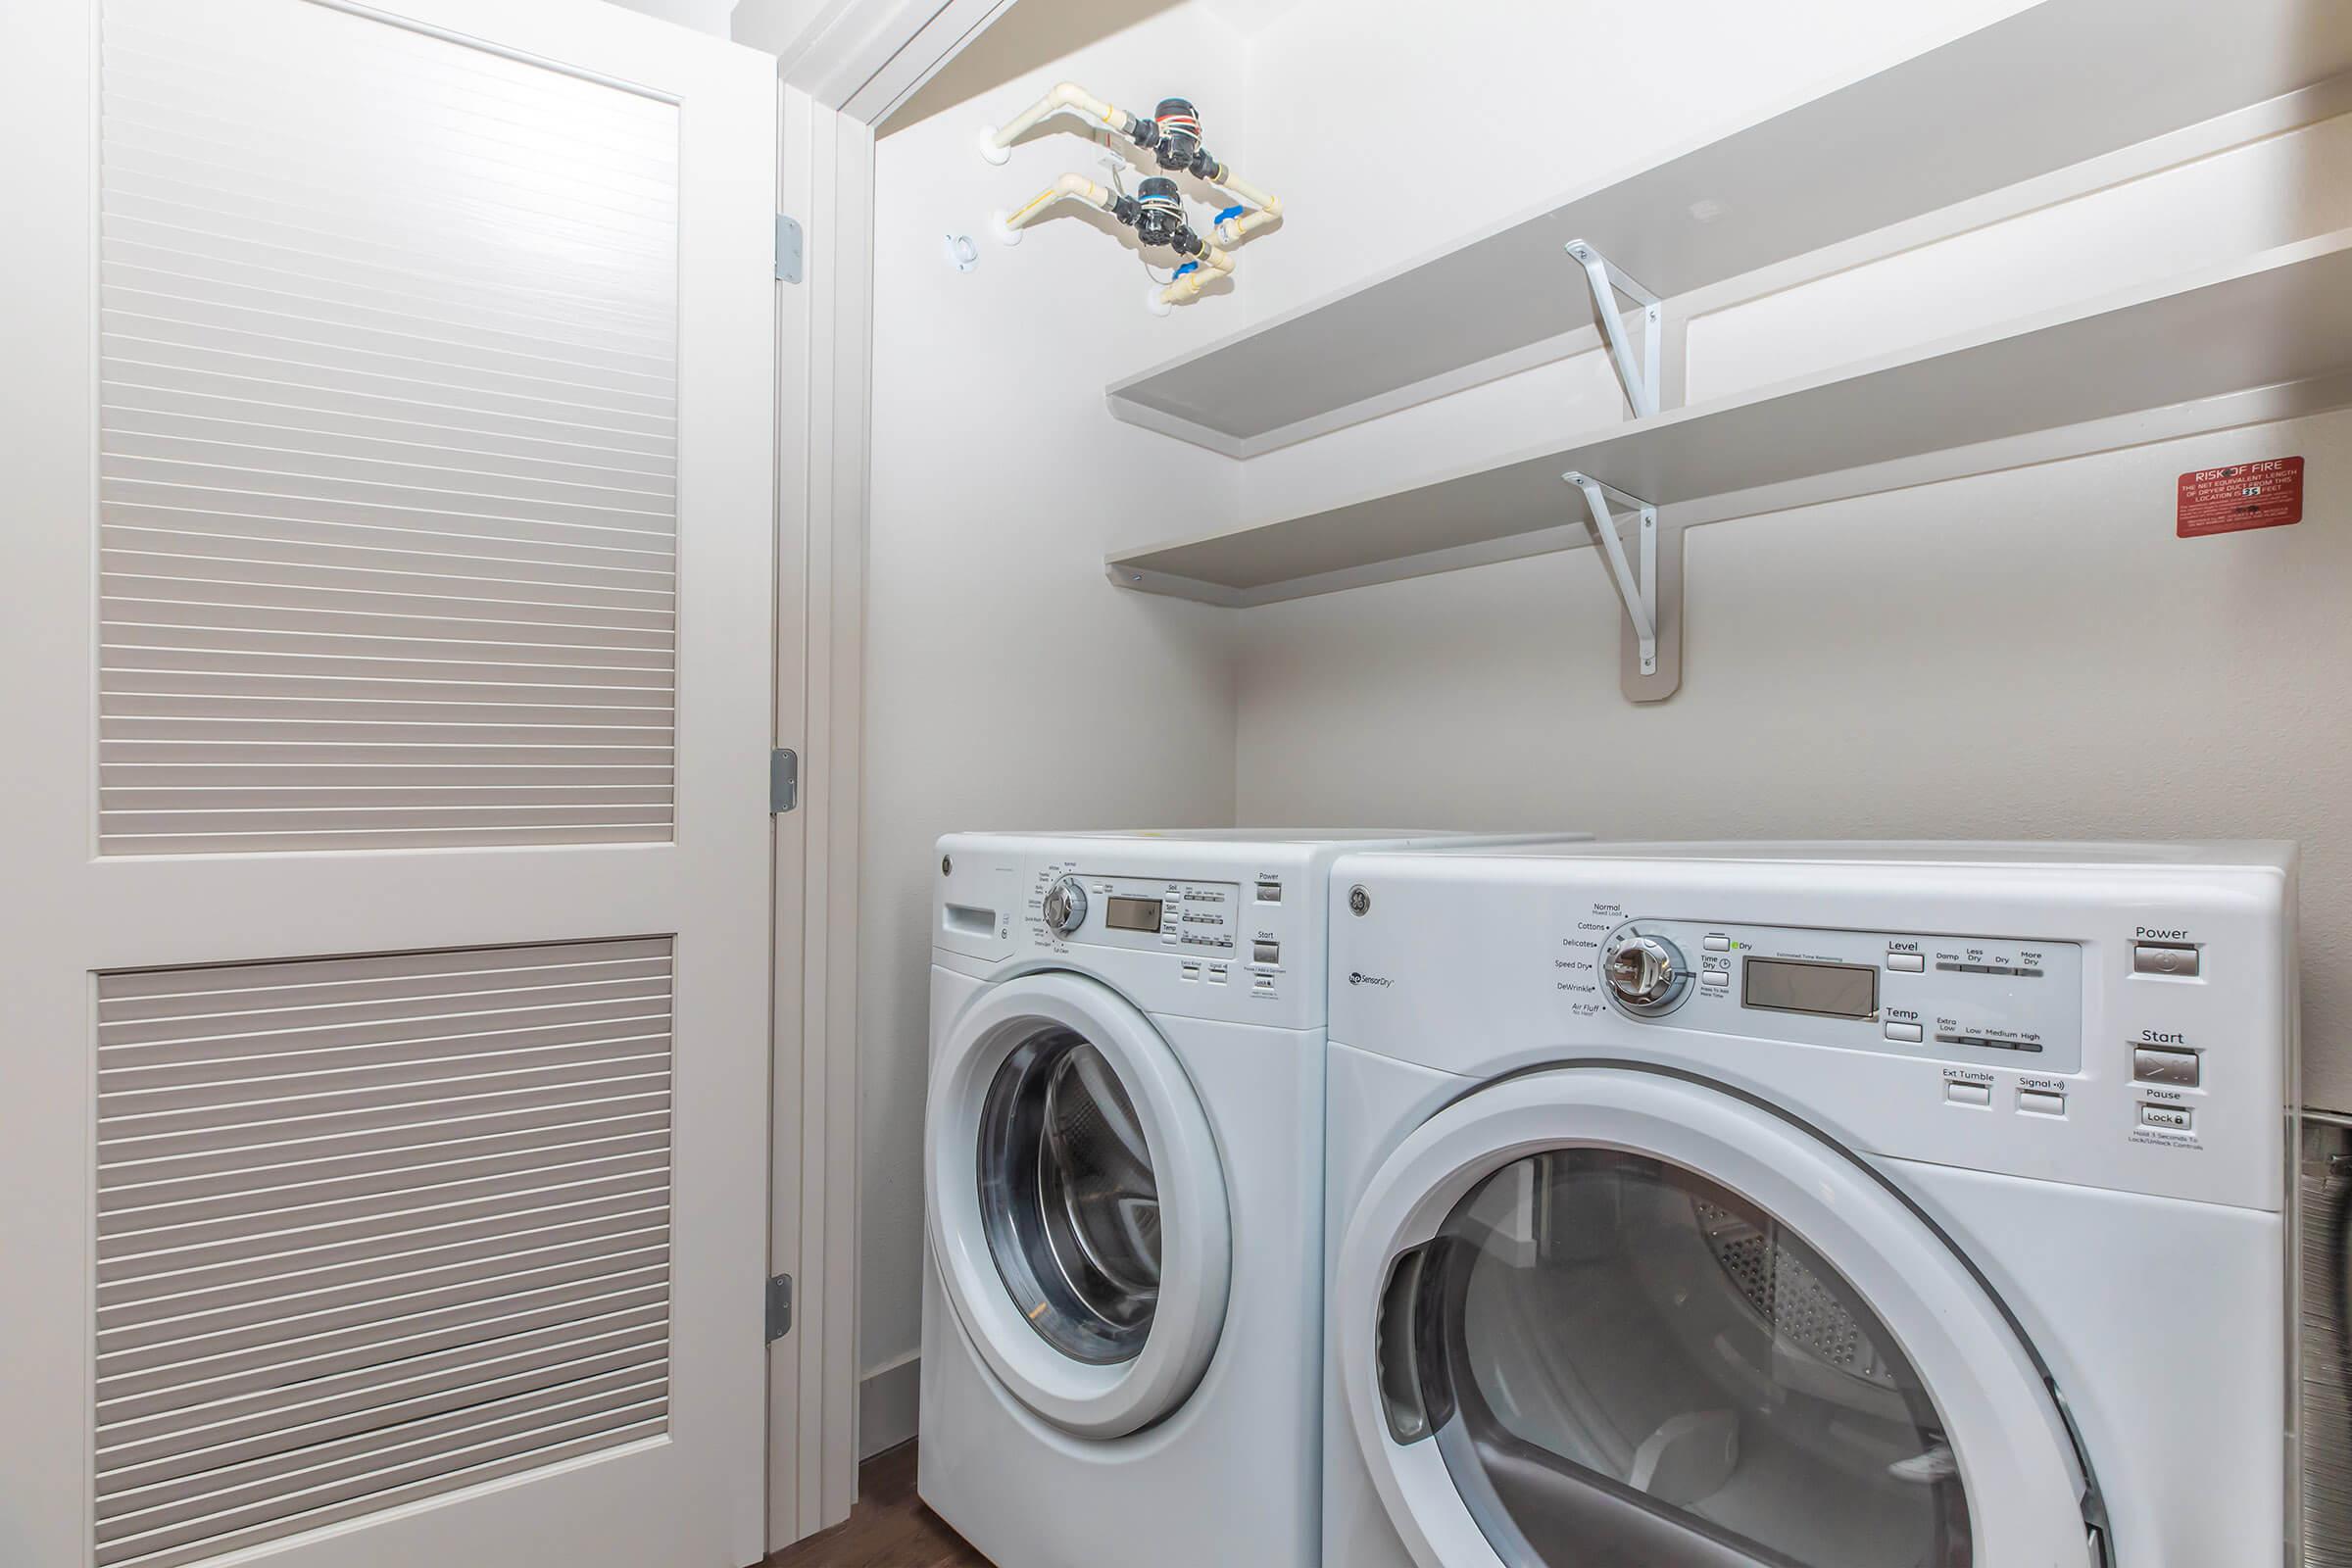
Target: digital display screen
pixel 1829 990
pixel 1134 914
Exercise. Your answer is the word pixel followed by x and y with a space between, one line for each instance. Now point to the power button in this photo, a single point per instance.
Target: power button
pixel 2164 957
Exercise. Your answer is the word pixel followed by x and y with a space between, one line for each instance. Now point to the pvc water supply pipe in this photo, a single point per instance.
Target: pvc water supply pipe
pixel 1209 266
pixel 1226 177
pixel 1232 229
pixel 1069 187
pixel 996 145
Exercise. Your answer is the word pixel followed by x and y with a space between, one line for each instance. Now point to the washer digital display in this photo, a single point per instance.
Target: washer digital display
pixel 1825 989
pixel 1133 914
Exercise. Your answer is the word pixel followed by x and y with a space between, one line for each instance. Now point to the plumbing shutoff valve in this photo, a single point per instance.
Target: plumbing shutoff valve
pixel 1155 211
pixel 1173 137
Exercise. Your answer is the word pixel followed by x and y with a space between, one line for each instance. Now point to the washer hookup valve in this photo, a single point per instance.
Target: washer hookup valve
pixel 1172 135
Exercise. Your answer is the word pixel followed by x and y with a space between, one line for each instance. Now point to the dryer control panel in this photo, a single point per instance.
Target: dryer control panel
pixel 2111 1015
pixel 2010 1002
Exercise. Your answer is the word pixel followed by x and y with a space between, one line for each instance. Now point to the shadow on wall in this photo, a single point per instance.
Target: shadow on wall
pixel 1029 35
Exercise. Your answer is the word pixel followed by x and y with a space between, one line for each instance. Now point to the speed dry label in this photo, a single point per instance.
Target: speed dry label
pixel 2251 495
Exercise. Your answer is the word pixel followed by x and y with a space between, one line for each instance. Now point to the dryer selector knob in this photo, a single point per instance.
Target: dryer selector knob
pixel 1647 975
pixel 1066 906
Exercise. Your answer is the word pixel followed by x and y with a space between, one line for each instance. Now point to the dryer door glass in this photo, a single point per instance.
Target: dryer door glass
pixel 1625 1363
pixel 1068 1197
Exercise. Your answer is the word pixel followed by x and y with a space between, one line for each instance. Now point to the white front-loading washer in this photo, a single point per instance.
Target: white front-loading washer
pixel 1811 1206
pixel 1122 1321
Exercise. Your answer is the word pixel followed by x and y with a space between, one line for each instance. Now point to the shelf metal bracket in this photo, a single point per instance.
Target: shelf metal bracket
pixel 1648 581
pixel 1639 376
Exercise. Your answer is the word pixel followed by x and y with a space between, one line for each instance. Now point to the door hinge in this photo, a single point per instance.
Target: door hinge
pixel 783 780
pixel 789 249
pixel 779 1308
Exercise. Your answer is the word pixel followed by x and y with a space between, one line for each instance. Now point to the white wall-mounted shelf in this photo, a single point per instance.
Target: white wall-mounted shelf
pixel 2058 85
pixel 2268 337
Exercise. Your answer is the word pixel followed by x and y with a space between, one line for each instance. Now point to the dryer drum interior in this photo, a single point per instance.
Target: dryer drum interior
pixel 1623 1363
pixel 1069 1198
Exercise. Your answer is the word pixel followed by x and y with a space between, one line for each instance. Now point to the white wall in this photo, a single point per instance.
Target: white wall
pixel 1391 127
pixel 702 16
pixel 2029 654
pixel 1007 684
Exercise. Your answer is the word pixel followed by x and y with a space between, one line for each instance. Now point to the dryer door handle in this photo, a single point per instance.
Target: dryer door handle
pixel 1397 1337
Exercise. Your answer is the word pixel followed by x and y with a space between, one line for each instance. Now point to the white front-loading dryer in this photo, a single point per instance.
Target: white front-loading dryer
pixel 1810 1206
pixel 1122 1323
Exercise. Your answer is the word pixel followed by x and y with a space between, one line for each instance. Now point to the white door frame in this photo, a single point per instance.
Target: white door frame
pixel 844 66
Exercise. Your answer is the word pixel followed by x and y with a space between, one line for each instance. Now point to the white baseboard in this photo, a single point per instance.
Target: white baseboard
pixel 888 1398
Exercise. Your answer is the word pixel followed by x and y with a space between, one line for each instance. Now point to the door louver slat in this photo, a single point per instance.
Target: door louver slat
pixel 388 445
pixel 373 1229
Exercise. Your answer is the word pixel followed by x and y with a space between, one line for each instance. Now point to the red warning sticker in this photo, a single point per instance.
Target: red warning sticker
pixel 2251 495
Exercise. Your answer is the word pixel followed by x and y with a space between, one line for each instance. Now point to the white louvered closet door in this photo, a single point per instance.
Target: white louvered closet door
pixel 388 542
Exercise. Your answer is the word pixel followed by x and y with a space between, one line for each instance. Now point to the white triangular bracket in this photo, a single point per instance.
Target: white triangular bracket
pixel 1650 588
pixel 1639 376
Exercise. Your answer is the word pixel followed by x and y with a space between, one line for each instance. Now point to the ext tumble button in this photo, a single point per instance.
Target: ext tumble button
pixel 2177 1069
pixel 1960 1093
pixel 1907 962
pixel 2162 957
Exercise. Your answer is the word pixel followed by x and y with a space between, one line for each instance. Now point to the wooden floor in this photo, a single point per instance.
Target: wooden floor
pixel 890 1528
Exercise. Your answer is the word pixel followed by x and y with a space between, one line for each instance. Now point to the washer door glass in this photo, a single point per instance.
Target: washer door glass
pixel 1069 1199
pixel 1624 1363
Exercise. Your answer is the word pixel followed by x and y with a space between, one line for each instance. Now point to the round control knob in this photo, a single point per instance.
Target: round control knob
pixel 1066 906
pixel 1646 975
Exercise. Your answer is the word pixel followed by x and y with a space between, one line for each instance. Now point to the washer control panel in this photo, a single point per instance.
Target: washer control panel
pixel 2003 1000
pixel 1216 934
pixel 1125 911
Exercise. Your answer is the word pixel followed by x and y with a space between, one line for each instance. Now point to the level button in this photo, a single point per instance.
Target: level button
pixel 2177 1069
pixel 1907 962
pixel 2162 957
